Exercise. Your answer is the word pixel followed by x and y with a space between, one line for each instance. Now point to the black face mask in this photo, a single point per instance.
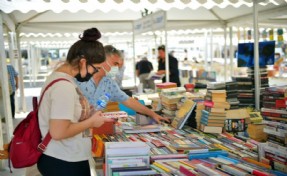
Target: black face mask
pixel 86 78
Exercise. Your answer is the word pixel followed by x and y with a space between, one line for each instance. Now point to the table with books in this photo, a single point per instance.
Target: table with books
pixel 136 148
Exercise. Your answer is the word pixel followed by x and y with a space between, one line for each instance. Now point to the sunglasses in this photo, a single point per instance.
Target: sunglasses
pixel 96 70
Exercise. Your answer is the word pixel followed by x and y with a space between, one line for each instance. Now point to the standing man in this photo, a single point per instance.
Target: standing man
pixel 173 66
pixel 143 68
pixel 13 81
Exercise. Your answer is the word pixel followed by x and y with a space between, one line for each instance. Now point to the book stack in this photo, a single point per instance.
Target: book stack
pixel 263 81
pixel 127 158
pixel 256 126
pixel 275 117
pixel 215 85
pixel 199 107
pixel 236 120
pixel 232 94
pixel 165 85
pixel 213 117
pixel 169 99
pixel 185 109
pixel 245 88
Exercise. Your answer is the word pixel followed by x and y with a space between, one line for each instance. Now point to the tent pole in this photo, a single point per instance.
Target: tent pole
pixel 256 55
pixel 20 77
pixel 12 52
pixel 211 46
pixel 134 56
pixel 231 53
pixel 5 90
pixel 206 50
pixel 225 54
pixel 166 55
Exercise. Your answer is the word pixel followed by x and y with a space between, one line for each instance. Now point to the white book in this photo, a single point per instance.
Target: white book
pixel 134 173
pixel 120 165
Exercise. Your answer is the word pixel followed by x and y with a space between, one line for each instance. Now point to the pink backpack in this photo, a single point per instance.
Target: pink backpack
pixel 26 146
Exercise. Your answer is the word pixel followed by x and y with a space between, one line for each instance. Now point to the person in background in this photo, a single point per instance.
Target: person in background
pixel 65 113
pixel 143 68
pixel 173 66
pixel 103 83
pixel 13 81
pixel 277 64
pixel 121 69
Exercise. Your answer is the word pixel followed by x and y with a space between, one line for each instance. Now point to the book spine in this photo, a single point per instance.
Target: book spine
pixel 206 170
pixel 186 171
pixel 233 171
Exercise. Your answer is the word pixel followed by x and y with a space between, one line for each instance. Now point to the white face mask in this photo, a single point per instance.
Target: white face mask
pixel 113 72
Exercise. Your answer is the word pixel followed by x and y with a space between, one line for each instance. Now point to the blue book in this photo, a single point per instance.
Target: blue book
pixel 207 155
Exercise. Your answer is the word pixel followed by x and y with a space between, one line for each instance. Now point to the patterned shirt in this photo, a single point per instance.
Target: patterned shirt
pixel 106 85
pixel 12 74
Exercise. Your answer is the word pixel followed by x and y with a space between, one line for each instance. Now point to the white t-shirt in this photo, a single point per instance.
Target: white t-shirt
pixel 61 101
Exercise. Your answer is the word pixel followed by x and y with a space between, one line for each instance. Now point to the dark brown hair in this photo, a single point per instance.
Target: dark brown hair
pixel 161 47
pixel 87 47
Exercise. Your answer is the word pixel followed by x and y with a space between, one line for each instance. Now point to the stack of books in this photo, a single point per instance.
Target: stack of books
pixel 263 79
pixel 246 95
pixel 185 109
pixel 275 117
pixel 232 94
pixel 127 158
pixel 213 117
pixel 236 120
pixel 246 86
pixel 166 85
pixel 215 86
pixel 169 99
pixel 199 107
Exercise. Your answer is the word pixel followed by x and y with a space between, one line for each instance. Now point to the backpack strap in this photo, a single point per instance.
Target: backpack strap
pixel 43 145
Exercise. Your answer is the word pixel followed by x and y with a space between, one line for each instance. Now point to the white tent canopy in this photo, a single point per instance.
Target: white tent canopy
pixel 73 16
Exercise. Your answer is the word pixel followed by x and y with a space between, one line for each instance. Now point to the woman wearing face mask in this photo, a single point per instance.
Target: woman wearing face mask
pixel 103 82
pixel 64 112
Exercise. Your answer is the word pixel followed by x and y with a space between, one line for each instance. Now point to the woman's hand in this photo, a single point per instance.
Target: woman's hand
pixel 98 119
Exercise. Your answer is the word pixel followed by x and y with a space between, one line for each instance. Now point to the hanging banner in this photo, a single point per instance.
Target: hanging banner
pixel 271 36
pixel 280 35
pixel 152 22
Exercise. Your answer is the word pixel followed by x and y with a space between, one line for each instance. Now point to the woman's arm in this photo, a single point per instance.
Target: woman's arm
pixel 62 129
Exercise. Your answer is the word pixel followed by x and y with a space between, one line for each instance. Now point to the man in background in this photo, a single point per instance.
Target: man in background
pixel 143 68
pixel 120 75
pixel 13 80
pixel 173 66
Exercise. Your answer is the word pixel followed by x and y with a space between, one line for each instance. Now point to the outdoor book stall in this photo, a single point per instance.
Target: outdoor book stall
pixel 218 145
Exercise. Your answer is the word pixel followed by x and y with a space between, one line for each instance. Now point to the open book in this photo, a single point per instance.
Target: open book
pixel 153 76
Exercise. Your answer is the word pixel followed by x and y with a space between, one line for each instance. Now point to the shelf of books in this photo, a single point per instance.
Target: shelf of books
pixel 138 146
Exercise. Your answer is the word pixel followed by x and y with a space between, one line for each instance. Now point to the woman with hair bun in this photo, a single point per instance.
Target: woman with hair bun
pixel 65 113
